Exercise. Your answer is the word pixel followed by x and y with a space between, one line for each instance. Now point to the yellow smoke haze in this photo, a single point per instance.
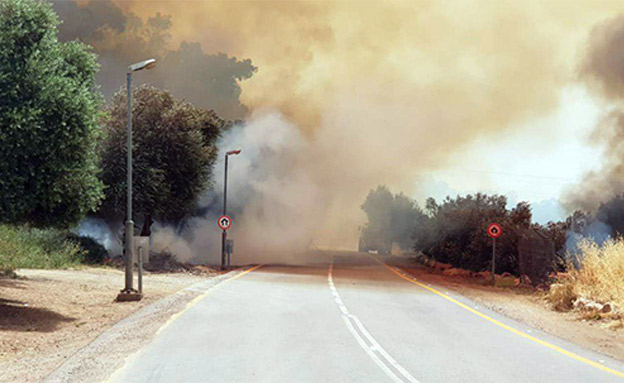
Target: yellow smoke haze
pixel 385 90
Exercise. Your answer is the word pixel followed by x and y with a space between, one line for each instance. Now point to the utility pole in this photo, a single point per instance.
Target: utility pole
pixel 129 293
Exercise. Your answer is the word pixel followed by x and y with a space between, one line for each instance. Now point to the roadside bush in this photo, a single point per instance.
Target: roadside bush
pixel 600 273
pixel 561 296
pixel 92 251
pixel 26 247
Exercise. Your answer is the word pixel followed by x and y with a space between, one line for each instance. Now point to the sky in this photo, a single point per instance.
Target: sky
pixel 537 162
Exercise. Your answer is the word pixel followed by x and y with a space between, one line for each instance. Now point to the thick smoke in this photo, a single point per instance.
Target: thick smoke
pixel 101 232
pixel 595 231
pixel 603 70
pixel 604 62
pixel 166 240
pixel 275 203
pixel 359 93
pixel 121 38
pixel 385 91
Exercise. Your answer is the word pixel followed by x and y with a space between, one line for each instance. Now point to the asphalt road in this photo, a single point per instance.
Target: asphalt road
pixel 352 319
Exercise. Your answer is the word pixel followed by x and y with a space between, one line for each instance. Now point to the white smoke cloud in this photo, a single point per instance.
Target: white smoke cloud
pixel 596 231
pixel 275 203
pixel 165 240
pixel 98 229
pixel 275 198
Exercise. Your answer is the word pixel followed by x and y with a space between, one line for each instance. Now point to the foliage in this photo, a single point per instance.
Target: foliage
pixel 48 120
pixel 455 231
pixel 174 149
pixel 120 37
pixel 92 251
pixel 391 218
pixel 27 247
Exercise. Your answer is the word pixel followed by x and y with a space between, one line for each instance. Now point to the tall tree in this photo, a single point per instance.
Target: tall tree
pixel 174 149
pixel 48 120
pixel 391 218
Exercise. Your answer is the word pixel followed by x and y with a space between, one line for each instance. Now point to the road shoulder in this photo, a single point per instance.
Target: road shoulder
pixel 531 309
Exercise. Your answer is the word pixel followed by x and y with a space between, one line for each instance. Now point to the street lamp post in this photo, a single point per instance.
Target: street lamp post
pixel 129 293
pixel 224 233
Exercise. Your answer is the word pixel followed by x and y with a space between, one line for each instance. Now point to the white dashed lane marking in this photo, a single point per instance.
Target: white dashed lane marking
pixel 373 349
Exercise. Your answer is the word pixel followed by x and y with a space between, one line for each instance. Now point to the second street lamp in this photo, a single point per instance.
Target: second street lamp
pixel 224 233
pixel 128 293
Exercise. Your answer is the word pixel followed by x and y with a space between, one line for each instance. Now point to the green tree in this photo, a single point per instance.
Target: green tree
pixel 48 120
pixel 391 218
pixel 406 215
pixel 455 231
pixel 174 149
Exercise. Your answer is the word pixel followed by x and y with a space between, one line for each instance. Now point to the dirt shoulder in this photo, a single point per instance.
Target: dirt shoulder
pixel 530 307
pixel 48 315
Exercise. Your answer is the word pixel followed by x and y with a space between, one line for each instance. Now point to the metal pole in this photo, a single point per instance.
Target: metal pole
pixel 140 271
pixel 129 222
pixel 224 233
pixel 225 186
pixel 493 261
pixel 229 257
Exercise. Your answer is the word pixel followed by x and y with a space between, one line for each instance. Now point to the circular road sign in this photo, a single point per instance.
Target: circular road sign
pixel 224 222
pixel 494 230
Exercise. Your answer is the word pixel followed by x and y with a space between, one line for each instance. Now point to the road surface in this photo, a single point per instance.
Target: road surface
pixel 352 319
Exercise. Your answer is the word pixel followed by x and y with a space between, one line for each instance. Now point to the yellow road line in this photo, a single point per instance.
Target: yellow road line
pixel 175 316
pixel 204 295
pixel 506 327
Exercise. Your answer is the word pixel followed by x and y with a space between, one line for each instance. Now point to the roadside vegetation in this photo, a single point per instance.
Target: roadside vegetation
pixel 26 247
pixel 597 285
pixel 64 153
pixel 48 120
pixel 570 259
pixel 175 148
pixel 453 231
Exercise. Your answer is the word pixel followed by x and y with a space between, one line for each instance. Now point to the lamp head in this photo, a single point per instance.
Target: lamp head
pixel 147 64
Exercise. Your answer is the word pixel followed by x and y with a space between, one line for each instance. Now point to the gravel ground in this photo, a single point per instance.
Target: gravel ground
pixel 47 316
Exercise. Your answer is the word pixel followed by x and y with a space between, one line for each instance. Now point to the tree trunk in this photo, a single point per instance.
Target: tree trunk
pixel 147 226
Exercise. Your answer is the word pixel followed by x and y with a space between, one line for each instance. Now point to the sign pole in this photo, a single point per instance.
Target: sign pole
pixel 493 261
pixel 227 222
pixel 494 230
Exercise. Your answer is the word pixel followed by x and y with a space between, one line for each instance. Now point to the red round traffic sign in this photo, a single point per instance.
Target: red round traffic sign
pixel 224 222
pixel 494 230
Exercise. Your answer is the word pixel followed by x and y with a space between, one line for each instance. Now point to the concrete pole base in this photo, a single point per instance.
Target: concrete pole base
pixel 129 296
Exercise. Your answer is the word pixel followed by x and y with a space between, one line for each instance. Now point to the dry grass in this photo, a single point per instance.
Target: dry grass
pixel 601 273
pixel 562 296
